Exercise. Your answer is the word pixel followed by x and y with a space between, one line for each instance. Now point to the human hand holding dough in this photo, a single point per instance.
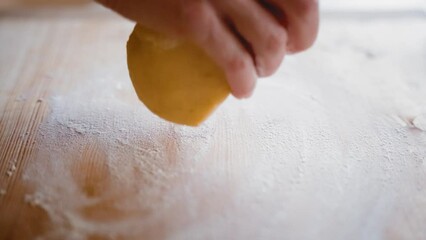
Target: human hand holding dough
pixel 175 79
pixel 245 39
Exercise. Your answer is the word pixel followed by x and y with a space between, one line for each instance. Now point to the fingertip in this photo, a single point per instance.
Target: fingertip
pixel 300 45
pixel 269 68
pixel 303 24
pixel 242 85
pixel 269 59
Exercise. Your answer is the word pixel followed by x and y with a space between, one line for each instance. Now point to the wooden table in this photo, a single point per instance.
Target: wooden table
pixel 333 146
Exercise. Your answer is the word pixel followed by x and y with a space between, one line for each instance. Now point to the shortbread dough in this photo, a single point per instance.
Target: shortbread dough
pixel 175 79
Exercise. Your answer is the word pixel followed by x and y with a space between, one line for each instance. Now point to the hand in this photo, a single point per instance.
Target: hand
pixel 246 38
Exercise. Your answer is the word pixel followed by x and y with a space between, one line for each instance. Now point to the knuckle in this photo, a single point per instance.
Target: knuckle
pixel 276 42
pixel 196 20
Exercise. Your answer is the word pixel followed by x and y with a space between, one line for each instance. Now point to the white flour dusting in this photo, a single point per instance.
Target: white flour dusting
pixel 324 143
pixel 420 122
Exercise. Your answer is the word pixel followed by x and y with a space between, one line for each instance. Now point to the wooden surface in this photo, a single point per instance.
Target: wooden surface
pixel 331 147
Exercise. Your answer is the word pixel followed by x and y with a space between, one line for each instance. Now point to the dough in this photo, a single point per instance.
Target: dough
pixel 175 79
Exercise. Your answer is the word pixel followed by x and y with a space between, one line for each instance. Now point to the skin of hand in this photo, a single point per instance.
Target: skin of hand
pixel 246 38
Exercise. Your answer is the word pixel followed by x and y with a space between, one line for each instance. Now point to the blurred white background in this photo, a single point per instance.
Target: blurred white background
pixel 373 5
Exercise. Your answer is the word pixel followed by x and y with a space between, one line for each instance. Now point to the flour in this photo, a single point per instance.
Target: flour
pixel 327 141
pixel 420 122
pixel 12 169
pixel 142 154
pixel 37 199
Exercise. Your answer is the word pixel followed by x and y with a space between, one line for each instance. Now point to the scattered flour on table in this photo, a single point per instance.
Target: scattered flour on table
pixel 131 154
pixel 420 122
pixel 318 142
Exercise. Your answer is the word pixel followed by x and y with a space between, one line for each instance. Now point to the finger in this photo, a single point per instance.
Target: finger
pixel 302 21
pixel 203 26
pixel 161 16
pixel 264 34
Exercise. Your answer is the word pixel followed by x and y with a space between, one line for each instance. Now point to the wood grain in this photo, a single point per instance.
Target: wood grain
pixel 30 49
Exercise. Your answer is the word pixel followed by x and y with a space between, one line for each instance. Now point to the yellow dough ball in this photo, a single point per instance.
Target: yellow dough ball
pixel 175 79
